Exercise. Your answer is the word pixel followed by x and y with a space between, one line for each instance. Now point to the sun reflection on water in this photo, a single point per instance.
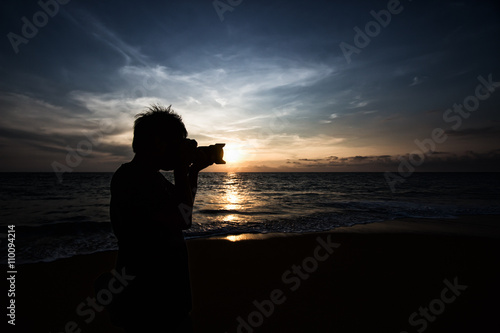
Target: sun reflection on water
pixel 233 197
pixel 233 202
pixel 236 238
pixel 229 218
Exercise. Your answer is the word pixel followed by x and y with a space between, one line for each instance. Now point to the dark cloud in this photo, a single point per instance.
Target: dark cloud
pixel 469 161
pixel 475 132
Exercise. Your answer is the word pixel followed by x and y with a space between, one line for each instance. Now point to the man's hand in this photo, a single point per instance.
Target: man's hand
pixel 192 159
pixel 187 154
pixel 202 160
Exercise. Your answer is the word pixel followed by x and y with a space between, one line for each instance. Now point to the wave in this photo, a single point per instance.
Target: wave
pixel 235 211
pixel 74 236
pixel 48 242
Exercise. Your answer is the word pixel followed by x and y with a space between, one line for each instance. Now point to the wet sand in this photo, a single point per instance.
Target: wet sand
pixel 404 275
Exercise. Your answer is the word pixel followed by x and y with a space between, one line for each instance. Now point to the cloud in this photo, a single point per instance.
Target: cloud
pixel 91 25
pixel 214 100
pixel 442 161
pixel 49 128
pixel 482 132
pixel 418 80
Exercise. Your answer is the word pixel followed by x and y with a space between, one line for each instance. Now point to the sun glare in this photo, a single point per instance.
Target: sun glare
pixel 232 154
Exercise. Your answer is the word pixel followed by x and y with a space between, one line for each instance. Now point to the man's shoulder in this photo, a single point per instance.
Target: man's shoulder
pixel 132 175
pixel 123 170
pixel 123 174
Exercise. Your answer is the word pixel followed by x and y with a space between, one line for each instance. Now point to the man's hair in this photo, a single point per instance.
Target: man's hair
pixel 157 121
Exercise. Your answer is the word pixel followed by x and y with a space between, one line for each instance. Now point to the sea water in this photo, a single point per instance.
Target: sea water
pixel 61 219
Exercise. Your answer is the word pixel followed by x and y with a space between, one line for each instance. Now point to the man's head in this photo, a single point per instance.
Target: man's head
pixel 158 133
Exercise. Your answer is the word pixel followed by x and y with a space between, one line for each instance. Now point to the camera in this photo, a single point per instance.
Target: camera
pixel 214 153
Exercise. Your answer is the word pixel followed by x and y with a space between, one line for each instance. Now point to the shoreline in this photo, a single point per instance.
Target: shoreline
pixel 382 272
pixel 486 227
pixel 400 225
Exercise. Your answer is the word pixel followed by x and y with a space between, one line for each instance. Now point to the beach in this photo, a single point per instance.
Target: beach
pixel 406 275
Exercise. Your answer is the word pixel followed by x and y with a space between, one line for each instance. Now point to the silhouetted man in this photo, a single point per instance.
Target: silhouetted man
pixel 149 214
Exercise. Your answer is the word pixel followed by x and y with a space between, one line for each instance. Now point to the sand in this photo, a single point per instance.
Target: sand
pixel 410 275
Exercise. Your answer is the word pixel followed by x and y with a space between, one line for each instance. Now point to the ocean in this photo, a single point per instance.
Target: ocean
pixel 58 220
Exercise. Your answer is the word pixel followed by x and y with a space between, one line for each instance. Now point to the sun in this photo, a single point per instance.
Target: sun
pixel 232 154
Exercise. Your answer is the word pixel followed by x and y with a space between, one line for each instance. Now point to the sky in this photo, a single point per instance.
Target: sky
pixel 288 85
